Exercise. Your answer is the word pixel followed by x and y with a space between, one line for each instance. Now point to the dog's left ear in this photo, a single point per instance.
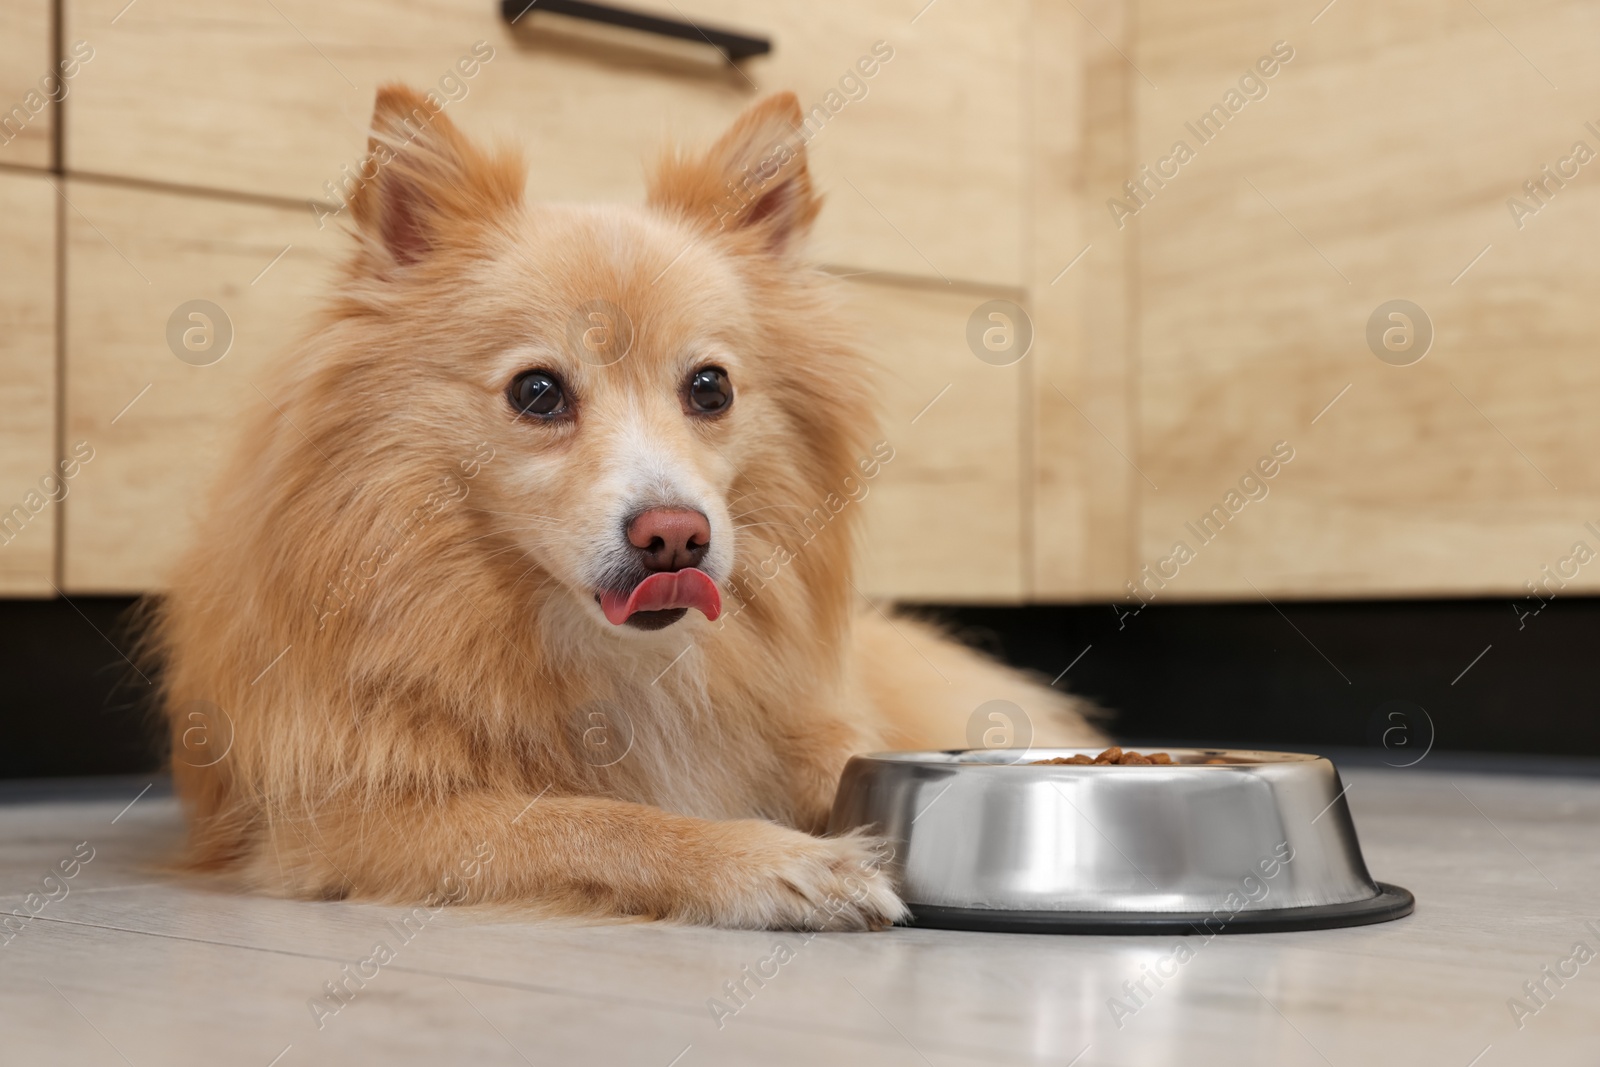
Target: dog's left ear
pixel 424 186
pixel 752 184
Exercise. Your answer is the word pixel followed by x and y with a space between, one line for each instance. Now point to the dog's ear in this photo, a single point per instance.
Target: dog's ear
pixel 752 183
pixel 424 186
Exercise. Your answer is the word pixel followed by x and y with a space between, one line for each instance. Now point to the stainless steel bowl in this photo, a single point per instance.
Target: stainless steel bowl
pixel 986 839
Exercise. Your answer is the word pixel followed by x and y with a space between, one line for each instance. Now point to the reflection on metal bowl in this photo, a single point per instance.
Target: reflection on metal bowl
pixel 985 840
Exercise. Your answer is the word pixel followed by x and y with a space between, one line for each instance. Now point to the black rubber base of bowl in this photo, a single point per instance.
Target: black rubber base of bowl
pixel 1392 902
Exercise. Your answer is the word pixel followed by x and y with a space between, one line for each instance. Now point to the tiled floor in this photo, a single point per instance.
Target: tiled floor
pixel 130 966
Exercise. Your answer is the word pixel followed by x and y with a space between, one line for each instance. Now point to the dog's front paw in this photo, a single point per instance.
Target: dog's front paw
pixel 782 879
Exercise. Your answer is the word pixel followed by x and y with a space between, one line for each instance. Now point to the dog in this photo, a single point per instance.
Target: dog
pixel 476 601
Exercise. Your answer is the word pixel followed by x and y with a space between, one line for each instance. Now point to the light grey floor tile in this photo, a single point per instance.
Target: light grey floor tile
pixel 1506 871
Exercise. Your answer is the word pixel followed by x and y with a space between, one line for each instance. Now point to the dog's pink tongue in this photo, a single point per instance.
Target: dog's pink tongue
pixel 688 588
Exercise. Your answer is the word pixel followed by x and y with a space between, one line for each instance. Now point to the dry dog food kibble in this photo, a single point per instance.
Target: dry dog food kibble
pixel 1109 756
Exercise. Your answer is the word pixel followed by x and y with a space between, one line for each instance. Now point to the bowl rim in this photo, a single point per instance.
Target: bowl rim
pixel 963 758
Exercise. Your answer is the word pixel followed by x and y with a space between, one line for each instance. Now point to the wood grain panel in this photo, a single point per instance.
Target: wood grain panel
pixel 29 485
pixel 923 168
pixel 161 426
pixel 27 117
pixel 1378 165
pixel 945 516
pixel 1084 489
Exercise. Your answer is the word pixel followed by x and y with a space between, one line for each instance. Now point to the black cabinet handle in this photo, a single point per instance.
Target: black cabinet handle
pixel 735 46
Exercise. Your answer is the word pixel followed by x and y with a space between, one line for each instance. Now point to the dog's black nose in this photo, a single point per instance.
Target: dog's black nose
pixel 670 539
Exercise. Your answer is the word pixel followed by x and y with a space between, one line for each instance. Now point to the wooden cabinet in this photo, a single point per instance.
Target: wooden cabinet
pixel 1198 315
pixel 1377 164
pixel 922 160
pixel 29 86
pixel 32 490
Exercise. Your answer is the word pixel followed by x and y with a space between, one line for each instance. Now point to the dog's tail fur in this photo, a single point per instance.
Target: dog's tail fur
pixel 933 692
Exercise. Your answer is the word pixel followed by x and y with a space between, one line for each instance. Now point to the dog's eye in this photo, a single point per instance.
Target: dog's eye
pixel 709 390
pixel 537 393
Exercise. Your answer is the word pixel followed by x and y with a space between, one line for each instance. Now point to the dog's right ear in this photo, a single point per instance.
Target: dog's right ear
pixel 424 186
pixel 753 185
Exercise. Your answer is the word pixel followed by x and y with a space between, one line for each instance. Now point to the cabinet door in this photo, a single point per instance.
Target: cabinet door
pixel 921 159
pixel 944 514
pixel 1382 162
pixel 31 489
pixel 944 518
pixel 28 88
pixel 160 425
